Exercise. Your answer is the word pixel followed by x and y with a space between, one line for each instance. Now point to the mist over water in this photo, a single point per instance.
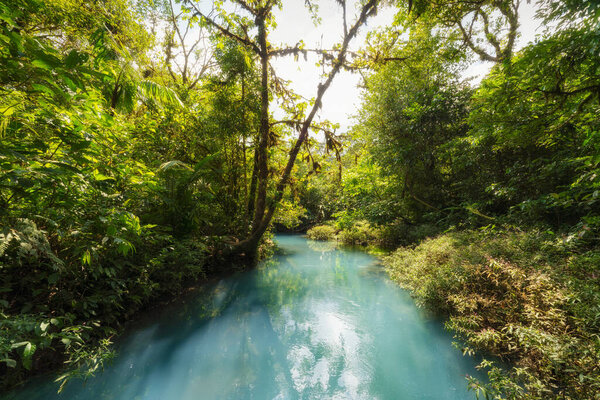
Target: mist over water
pixel 315 322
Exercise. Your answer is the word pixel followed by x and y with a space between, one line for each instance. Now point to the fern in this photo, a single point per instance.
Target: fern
pixel 148 90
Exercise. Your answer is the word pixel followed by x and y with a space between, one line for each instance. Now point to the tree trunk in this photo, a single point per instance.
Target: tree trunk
pixel 262 215
pixel 253 181
pixel 262 220
pixel 263 133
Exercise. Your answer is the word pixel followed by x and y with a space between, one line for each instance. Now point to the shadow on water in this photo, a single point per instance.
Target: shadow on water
pixel 315 321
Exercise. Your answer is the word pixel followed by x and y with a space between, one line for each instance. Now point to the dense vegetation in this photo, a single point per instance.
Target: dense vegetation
pixel 490 189
pixel 139 154
pixel 105 193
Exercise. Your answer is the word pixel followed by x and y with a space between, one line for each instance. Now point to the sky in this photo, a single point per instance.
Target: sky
pixel 342 99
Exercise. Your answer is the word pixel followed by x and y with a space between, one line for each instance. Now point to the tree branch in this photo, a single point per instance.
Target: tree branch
pixel 367 10
pixel 225 31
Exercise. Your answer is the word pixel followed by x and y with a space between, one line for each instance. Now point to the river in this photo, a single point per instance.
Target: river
pixel 315 322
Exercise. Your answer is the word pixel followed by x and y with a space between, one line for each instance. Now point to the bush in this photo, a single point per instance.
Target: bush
pixel 399 233
pixel 322 232
pixel 360 233
pixel 63 310
pixel 524 297
pixel 178 263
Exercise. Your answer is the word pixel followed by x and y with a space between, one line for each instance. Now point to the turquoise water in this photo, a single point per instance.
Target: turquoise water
pixel 313 323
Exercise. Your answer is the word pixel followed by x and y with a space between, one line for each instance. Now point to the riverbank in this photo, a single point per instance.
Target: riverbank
pixel 315 321
pixel 531 299
pixel 67 318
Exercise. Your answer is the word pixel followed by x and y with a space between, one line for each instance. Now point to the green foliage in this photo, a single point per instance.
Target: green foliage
pixel 365 194
pixel 519 148
pixel 182 192
pixel 359 233
pixel 524 297
pixel 399 233
pixel 289 214
pixel 30 341
pixel 90 198
pixel 322 232
pixel 83 299
pixel 533 137
pixel 400 166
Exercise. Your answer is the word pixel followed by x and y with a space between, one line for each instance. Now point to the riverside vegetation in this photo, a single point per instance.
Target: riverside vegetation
pixel 486 195
pixel 139 154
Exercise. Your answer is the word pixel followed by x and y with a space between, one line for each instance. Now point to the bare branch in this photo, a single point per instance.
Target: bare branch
pixel 479 51
pixel 246 7
pixel 490 37
pixel 225 31
pixel 453 14
pixel 367 10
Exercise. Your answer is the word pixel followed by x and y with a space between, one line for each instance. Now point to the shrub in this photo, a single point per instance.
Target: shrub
pixel 360 233
pixel 524 297
pixel 322 232
pixel 399 233
pixel 64 310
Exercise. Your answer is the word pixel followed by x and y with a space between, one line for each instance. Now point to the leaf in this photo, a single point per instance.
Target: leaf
pixel 63 377
pixel 173 164
pixel 29 350
pixel 53 278
pixel 44 326
pixel 4 38
pixel 42 88
pixel 86 258
pixel 6 16
pixel 9 362
pixel 74 58
pixel 101 177
pixel 124 246
pixel 200 165
pixel 17 40
pixel 69 83
pixel 41 64
pixel 152 90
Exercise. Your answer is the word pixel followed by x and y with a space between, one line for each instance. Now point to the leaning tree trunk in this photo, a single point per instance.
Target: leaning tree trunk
pixel 249 246
pixel 263 212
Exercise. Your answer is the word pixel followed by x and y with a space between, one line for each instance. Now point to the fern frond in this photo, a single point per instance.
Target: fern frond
pixel 149 90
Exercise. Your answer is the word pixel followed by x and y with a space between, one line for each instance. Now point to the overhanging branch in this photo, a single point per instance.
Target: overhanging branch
pixel 225 31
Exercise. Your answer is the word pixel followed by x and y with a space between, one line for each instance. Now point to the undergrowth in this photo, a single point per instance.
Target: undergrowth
pixel 363 233
pixel 56 311
pixel 530 299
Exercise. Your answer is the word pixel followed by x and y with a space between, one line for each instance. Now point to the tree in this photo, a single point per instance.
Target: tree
pixel 411 110
pixel 489 28
pixel 183 41
pixel 258 15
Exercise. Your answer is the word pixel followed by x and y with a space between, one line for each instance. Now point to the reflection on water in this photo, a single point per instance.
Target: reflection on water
pixel 314 323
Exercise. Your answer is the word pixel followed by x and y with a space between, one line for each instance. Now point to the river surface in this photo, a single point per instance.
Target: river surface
pixel 315 322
